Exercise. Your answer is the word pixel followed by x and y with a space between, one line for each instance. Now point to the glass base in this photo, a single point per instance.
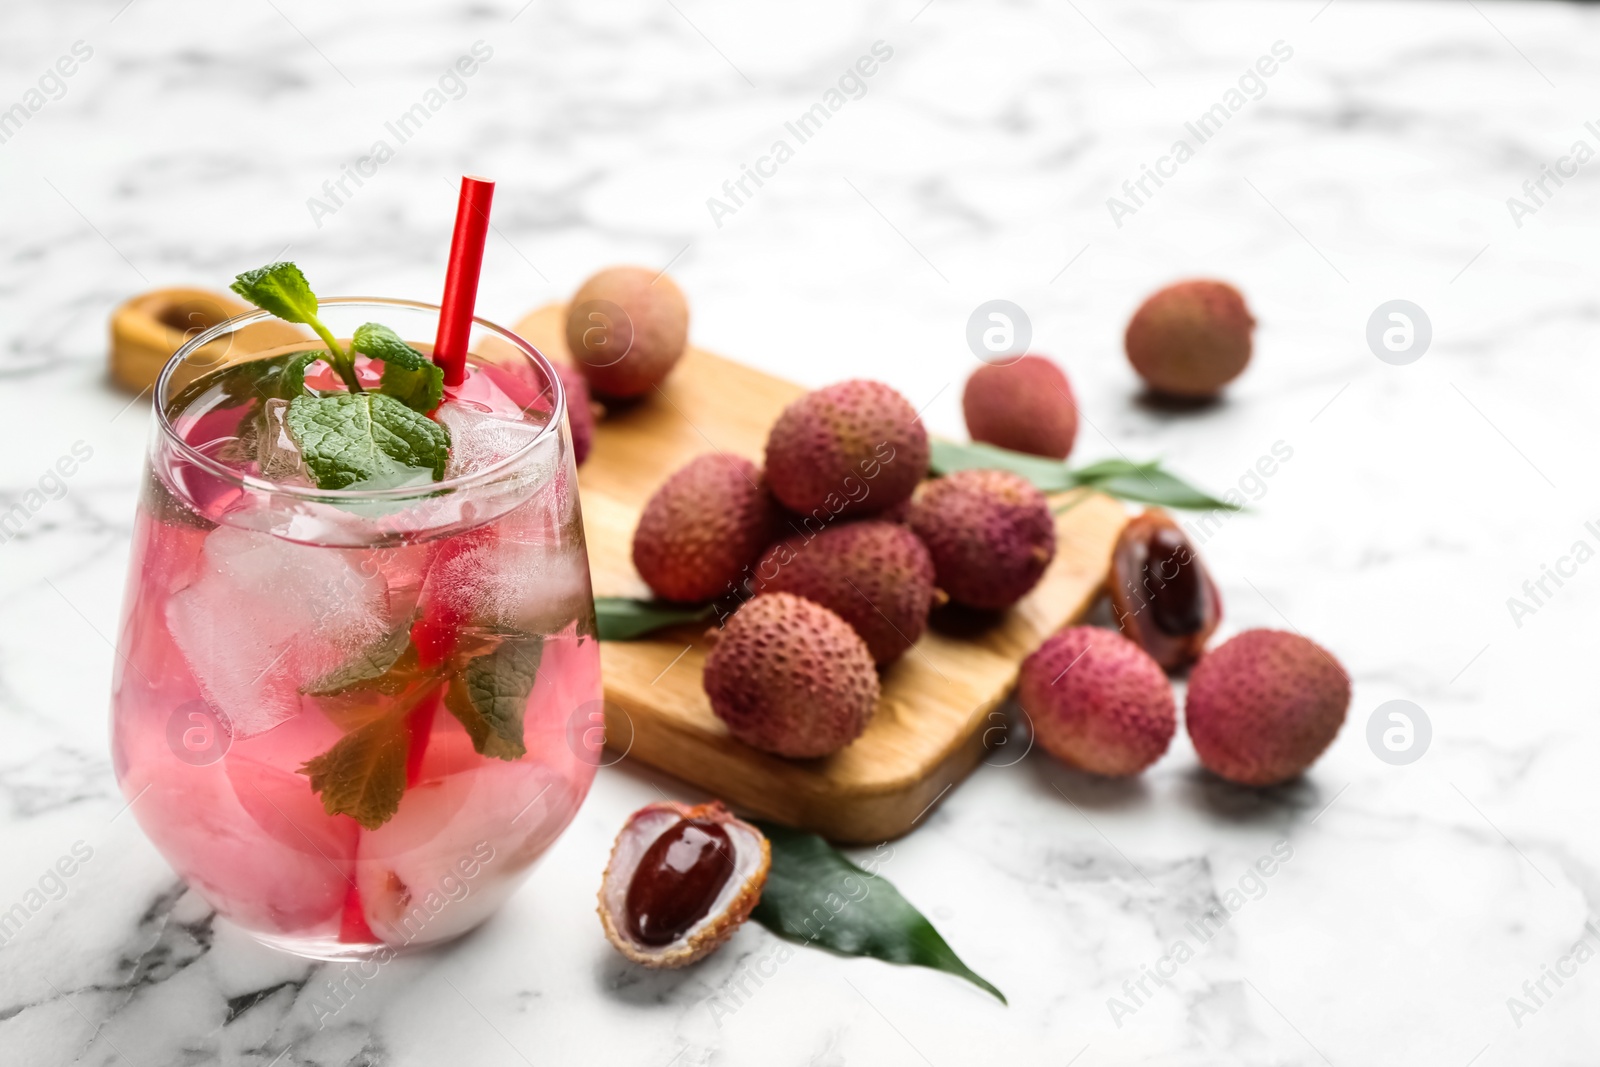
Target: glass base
pixel 333 950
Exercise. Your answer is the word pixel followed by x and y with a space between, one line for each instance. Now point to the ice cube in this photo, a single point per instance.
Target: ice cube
pixel 480 438
pixel 264 616
pixel 486 579
pixel 277 456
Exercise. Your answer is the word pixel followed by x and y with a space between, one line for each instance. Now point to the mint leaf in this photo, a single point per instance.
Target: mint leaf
pixel 621 618
pixel 364 774
pixel 408 375
pixel 369 664
pixel 490 695
pixel 368 440
pixel 280 289
pixel 808 877
pixel 292 379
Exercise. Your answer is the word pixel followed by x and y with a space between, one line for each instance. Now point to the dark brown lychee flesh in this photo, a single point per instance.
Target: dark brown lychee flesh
pixel 680 881
pixel 990 533
pixel 1026 406
pixel 1190 339
pixel 875 575
pixel 626 329
pixel 1161 592
pixel 854 448
pixel 703 527
pixel 1097 701
pixel 790 677
pixel 1264 705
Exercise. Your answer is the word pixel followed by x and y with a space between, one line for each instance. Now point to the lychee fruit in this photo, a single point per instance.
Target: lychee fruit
pixel 626 329
pixel 580 411
pixel 1161 592
pixel 1026 406
pixel 1190 339
pixel 1097 701
pixel 852 448
pixel 703 527
pixel 990 533
pixel 790 677
pixel 1264 705
pixel 876 576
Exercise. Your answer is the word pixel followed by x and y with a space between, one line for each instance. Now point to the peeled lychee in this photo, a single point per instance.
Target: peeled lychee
pixel 990 533
pixel 1097 701
pixel 875 575
pixel 1264 705
pixel 580 411
pixel 703 527
pixel 790 677
pixel 1190 339
pixel 853 448
pixel 626 329
pixel 1026 406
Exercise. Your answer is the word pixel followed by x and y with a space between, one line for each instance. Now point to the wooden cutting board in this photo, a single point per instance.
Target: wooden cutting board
pixel 935 713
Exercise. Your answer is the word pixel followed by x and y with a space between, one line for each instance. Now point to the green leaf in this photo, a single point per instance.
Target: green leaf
pixel 292 379
pixel 1145 483
pixel 620 618
pixel 280 289
pixel 816 896
pixel 1047 475
pixel 369 664
pixel 490 695
pixel 408 375
pixel 365 440
pixel 364 774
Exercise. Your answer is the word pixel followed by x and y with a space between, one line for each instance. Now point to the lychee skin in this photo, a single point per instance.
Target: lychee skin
pixel 877 576
pixel 1190 339
pixel 703 527
pixel 1098 702
pixel 990 533
pixel 1264 705
pixel 853 448
pixel 790 677
pixel 627 358
pixel 1026 406
pixel 580 411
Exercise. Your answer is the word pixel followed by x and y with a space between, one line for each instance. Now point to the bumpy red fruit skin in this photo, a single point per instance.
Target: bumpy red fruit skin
pixel 1097 701
pixel 876 576
pixel 853 448
pixel 1264 705
pixel 703 527
pixel 1190 339
pixel 655 330
pixel 580 411
pixel 990 533
pixel 1026 406
pixel 790 677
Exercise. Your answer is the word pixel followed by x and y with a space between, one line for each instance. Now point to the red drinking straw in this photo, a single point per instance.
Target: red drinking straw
pixel 461 278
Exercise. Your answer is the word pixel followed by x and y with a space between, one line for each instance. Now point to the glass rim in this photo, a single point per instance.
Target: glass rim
pixel 255 483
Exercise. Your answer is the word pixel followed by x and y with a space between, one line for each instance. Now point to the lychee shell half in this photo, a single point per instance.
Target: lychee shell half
pixel 791 678
pixel 752 859
pixel 1097 701
pixel 1264 705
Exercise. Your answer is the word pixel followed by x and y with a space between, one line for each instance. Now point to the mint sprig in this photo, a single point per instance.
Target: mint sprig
pixel 280 289
pixel 490 694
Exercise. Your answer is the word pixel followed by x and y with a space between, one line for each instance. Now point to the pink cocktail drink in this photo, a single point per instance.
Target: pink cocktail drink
pixel 352 719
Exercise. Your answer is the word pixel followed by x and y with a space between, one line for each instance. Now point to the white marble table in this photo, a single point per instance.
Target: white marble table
pixel 1375 165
